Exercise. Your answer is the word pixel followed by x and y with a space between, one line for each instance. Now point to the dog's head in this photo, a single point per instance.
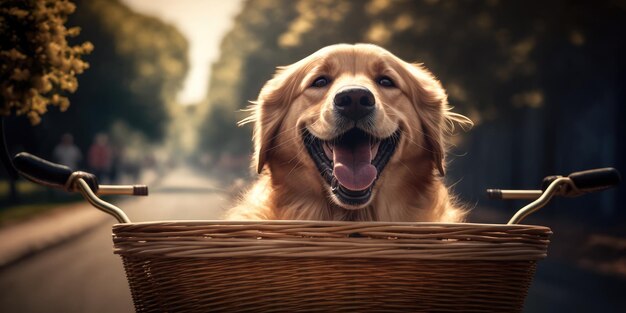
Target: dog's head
pixel 338 118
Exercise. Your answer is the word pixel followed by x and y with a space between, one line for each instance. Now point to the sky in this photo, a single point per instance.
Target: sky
pixel 204 23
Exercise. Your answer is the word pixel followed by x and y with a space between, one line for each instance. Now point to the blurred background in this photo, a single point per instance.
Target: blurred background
pixel 544 82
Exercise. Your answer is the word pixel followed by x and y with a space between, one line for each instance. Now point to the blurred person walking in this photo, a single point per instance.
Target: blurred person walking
pixel 67 153
pixel 100 157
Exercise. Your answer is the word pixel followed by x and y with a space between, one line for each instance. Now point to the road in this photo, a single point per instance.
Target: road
pixel 83 275
pixel 563 287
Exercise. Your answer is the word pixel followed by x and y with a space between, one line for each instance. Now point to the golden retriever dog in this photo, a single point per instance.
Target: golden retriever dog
pixel 351 133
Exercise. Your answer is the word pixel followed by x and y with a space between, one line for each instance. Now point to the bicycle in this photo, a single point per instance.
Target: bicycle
pixel 287 266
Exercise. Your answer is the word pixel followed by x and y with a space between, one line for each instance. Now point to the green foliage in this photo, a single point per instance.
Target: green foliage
pixel 220 133
pixel 489 55
pixel 137 70
pixel 37 63
pixel 250 52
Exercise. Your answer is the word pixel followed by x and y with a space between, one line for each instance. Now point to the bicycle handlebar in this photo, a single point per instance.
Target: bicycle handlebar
pixel 596 179
pixel 581 182
pixel 42 171
pixel 575 184
pixel 50 174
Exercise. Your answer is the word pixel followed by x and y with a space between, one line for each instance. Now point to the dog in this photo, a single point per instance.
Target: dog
pixel 351 133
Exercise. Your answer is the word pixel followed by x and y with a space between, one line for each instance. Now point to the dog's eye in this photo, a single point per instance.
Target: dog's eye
pixel 320 82
pixel 386 82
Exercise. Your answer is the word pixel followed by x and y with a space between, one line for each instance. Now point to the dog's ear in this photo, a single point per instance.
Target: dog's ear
pixel 271 107
pixel 431 102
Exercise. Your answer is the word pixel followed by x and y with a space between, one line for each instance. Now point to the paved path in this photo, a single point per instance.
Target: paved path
pixel 83 275
pixel 563 287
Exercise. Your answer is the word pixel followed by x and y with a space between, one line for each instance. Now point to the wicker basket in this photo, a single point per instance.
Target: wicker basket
pixel 293 266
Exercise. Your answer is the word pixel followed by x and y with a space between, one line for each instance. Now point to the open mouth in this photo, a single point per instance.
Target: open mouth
pixel 351 163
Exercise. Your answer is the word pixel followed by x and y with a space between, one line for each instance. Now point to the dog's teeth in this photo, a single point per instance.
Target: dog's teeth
pixel 327 150
pixel 375 148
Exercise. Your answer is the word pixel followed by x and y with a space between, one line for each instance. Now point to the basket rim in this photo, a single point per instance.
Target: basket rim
pixel 390 240
pixel 324 223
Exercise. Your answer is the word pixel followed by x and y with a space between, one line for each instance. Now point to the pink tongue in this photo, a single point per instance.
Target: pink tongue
pixel 352 166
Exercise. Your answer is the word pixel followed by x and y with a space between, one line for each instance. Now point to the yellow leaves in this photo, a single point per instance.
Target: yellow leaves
pixel 377 6
pixel 65 6
pixel 78 66
pixel 54 52
pixel 531 99
pixel 172 66
pixel 55 99
pixel 519 57
pixel 87 47
pixel 456 91
pixel 34 71
pixel 20 74
pixel 73 32
pixel 382 33
pixel 146 69
pixel 421 25
pixel 312 13
pixel 576 38
pixel 402 23
pixel 288 40
pixel 18 12
pixel 484 21
pixel 12 55
pixel 63 104
pixel 297 28
pixel 69 83
pixel 42 83
pixel 39 103
pixel 521 51
pixel 7 93
pixel 475 115
pixel 34 117
pixel 379 33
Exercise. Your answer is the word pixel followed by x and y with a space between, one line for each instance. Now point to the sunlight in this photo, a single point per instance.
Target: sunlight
pixel 203 23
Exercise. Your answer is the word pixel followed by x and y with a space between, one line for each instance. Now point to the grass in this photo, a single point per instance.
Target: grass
pixel 24 212
pixel 33 200
pixel 23 187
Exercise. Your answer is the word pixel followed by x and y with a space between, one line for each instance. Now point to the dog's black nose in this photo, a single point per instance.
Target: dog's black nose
pixel 354 102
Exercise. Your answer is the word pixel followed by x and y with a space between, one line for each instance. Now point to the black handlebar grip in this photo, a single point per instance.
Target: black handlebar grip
pixel 140 190
pixel 596 179
pixel 494 194
pixel 42 171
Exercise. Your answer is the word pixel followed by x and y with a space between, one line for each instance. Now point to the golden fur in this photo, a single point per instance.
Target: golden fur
pixel 409 189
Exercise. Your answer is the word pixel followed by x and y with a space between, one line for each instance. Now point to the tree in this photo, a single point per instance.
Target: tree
pixel 529 74
pixel 38 64
pixel 137 68
pixel 253 36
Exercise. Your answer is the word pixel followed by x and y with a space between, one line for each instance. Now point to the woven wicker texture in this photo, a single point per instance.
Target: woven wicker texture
pixel 288 266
